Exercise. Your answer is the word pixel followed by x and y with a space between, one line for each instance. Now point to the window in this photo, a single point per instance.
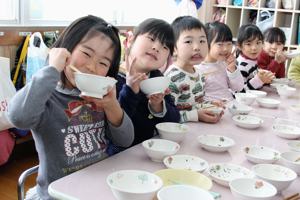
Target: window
pixel 118 12
pixel 9 11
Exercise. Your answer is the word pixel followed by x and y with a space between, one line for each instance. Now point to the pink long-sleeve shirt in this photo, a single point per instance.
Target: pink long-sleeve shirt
pixel 220 84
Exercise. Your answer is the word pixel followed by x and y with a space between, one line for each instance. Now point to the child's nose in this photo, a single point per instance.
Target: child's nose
pixel 91 67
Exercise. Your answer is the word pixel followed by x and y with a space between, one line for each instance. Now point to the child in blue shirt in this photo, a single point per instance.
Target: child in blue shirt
pixel 149 48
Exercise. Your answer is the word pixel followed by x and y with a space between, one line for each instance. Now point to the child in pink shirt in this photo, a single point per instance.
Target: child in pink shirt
pixel 222 78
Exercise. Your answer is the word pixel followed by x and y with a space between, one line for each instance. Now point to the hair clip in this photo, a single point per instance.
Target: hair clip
pixel 109 25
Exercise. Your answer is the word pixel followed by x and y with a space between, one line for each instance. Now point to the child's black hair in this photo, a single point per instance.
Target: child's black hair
pixel 218 32
pixel 86 27
pixel 274 34
pixel 159 29
pixel 248 32
pixel 185 23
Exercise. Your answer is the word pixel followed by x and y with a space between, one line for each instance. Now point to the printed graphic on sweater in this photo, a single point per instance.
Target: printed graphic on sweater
pixel 84 139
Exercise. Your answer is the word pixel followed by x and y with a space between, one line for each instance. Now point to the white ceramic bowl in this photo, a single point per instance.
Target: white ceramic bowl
pixel 247 121
pixel 291 159
pixel 258 93
pixel 213 108
pixel 223 173
pixel 155 85
pixel 158 149
pixel 134 184
pixel 294 145
pixel 93 85
pixel 188 162
pixel 215 143
pixel 172 131
pixel 180 192
pixel 268 102
pixel 261 154
pixel 286 130
pixel 239 109
pixel 295 108
pixel 252 189
pixel 279 176
pixel 245 98
pixel 286 91
pixel 281 80
pixel 292 53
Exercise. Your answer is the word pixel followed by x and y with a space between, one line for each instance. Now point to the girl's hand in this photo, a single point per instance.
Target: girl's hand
pixel 58 58
pixel 106 102
pixel 231 63
pixel 266 76
pixel 208 116
pixel 280 56
pixel 110 105
pixel 155 101
pixel 133 78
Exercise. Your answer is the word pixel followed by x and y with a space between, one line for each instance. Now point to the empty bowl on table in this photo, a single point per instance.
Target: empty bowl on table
pixel 239 109
pixel 215 143
pixel 134 184
pixel 247 121
pixel 281 80
pixel 279 176
pixel 245 98
pixel 93 85
pixel 258 93
pixel 213 108
pixel 172 131
pixel 261 154
pixel 188 162
pixel 223 173
pixel 286 91
pixel 184 177
pixel 180 192
pixel 252 189
pixel 158 149
pixel 268 102
pixel 294 145
pixel 155 85
pixel 295 108
pixel 292 53
pixel 287 129
pixel 291 159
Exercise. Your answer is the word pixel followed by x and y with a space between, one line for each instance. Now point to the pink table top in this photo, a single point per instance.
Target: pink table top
pixel 90 183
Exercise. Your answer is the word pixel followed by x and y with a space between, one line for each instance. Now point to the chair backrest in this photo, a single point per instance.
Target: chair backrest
pixel 22 179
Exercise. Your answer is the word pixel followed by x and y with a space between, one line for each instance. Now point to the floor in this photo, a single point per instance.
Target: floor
pixel 23 157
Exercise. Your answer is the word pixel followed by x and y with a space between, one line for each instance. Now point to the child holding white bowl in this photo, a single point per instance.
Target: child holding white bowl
pixel 187 85
pixel 149 47
pixel 72 131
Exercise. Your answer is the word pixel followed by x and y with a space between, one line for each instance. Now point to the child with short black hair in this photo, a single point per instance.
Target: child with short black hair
pixel 250 44
pixel 187 84
pixel 272 56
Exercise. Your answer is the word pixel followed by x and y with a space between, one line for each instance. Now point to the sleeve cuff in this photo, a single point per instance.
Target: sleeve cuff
pixel 161 114
pixel 233 74
pixel 189 116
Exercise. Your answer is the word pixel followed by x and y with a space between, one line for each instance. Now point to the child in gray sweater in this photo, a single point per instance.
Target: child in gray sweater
pixel 73 131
